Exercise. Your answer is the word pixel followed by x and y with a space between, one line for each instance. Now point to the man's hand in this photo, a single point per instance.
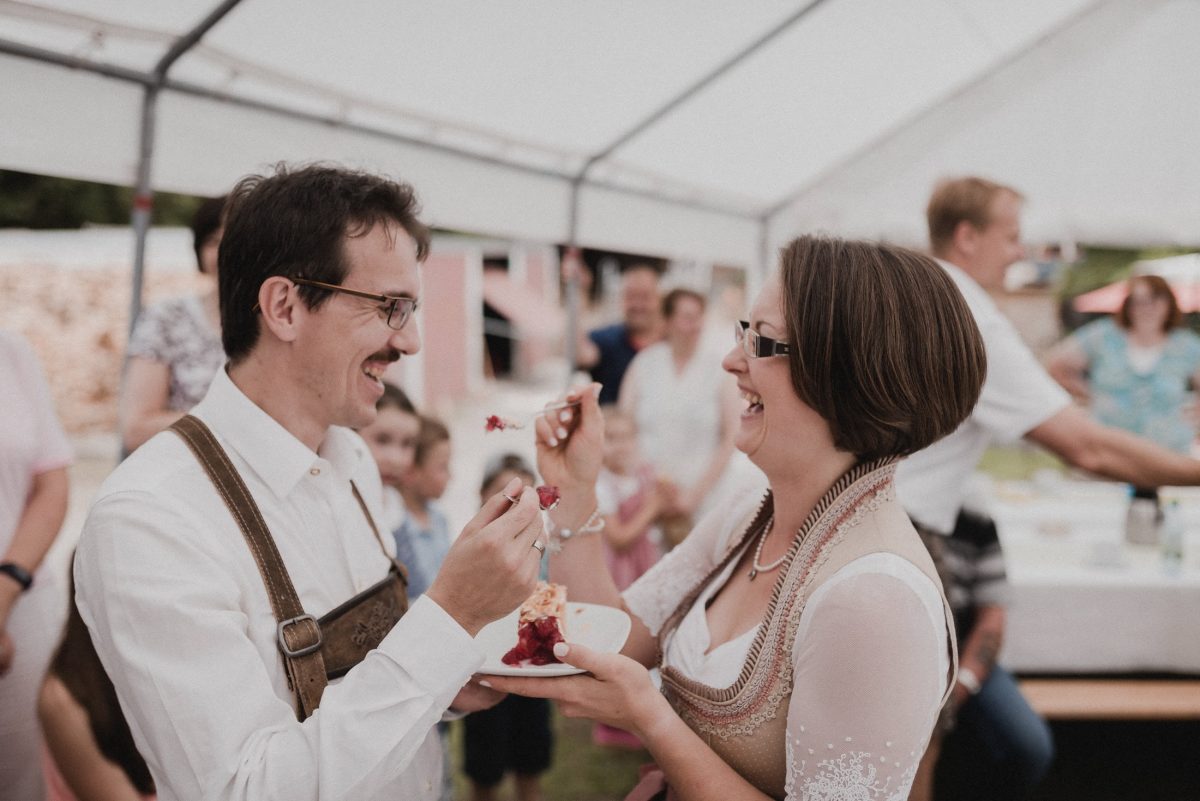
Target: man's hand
pixel 492 566
pixel 474 697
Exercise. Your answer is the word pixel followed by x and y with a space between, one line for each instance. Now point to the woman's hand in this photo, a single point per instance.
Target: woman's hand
pixel 616 690
pixel 474 697
pixel 570 441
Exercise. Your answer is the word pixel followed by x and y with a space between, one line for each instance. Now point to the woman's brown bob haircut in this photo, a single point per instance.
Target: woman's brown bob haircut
pixel 1159 288
pixel 883 345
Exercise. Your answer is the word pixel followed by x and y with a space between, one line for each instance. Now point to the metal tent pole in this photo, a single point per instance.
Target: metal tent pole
pixel 640 127
pixel 571 349
pixel 143 194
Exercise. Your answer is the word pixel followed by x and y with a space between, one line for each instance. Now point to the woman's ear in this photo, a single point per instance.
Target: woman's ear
pixel 277 301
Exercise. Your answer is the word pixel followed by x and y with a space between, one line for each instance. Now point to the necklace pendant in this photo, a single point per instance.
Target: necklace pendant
pixel 753 573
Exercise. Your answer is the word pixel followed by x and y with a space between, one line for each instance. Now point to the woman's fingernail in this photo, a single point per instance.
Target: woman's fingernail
pixel 552 442
pixel 565 416
pixel 485 683
pixel 561 649
pixel 562 432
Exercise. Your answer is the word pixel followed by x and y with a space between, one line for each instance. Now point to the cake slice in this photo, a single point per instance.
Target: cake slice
pixel 539 626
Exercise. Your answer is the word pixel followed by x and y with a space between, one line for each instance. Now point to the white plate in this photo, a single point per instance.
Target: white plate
pixel 601 628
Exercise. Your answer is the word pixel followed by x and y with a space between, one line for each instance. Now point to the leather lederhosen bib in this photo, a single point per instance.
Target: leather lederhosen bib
pixel 314 651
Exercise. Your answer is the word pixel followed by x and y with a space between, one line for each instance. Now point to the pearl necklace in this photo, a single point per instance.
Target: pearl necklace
pixel 755 567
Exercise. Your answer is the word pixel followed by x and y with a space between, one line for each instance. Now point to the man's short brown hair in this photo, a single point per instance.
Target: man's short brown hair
pixel 957 200
pixel 884 347
pixel 295 223
pixel 432 432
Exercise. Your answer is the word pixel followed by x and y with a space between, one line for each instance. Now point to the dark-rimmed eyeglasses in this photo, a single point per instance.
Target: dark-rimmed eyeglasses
pixel 396 311
pixel 755 345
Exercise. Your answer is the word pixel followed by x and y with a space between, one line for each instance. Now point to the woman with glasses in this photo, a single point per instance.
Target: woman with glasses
pixel 1136 368
pixel 804 643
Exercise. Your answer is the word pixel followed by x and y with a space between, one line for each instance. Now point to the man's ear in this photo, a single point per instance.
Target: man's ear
pixel 966 236
pixel 278 299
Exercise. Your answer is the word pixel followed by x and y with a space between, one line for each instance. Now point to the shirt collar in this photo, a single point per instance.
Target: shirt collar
pixel 278 458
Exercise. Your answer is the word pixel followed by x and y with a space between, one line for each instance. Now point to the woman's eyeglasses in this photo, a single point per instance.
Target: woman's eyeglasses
pixel 395 311
pixel 755 345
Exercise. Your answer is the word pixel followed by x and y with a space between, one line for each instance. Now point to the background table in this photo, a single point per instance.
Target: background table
pixel 1084 601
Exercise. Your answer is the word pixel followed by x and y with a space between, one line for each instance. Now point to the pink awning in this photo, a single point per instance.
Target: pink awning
pixel 526 309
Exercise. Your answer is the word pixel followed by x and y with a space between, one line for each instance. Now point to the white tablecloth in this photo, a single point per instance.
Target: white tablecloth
pixel 1084 601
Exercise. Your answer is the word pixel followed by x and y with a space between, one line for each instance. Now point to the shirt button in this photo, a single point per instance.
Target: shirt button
pixel 316 471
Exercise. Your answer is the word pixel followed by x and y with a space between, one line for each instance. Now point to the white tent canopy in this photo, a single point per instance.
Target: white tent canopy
pixel 708 130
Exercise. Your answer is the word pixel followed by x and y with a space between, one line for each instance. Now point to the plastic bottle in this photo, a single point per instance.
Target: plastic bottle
pixel 1142 520
pixel 1170 539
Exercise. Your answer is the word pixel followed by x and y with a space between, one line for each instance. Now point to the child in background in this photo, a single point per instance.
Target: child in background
pixel 629 499
pixel 423 536
pixel 392 440
pixel 423 539
pixel 628 496
pixel 515 734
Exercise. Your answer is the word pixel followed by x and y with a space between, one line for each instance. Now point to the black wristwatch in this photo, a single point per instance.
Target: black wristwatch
pixel 17 574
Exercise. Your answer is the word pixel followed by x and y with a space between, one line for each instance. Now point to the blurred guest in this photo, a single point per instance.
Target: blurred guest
pixel 629 501
pixel 607 352
pixel 423 539
pixel 392 440
pixel 1000 745
pixel 975 233
pixel 175 348
pixel 33 503
pixel 628 498
pixel 686 412
pixel 515 735
pixel 1136 369
pixel 91 756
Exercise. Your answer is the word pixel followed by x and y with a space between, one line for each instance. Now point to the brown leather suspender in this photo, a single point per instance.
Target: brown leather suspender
pixel 298 635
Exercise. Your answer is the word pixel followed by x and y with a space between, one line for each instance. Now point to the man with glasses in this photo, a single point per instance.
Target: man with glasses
pixel 318 287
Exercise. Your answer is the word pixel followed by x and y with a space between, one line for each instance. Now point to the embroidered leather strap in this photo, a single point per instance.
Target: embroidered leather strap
pixel 298 635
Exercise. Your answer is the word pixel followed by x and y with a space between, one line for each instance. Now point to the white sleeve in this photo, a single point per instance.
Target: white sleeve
pixel 166 616
pixel 1018 394
pixel 869 673
pixel 659 591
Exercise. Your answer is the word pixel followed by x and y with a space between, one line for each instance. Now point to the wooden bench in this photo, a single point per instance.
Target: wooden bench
pixel 1114 699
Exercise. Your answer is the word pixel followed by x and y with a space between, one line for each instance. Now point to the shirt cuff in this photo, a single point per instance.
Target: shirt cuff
pixel 433 648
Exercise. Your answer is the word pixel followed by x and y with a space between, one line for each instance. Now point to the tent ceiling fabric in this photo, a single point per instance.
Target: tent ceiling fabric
pixel 840 122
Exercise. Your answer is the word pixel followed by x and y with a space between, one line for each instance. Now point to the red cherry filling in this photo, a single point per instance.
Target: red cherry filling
pixel 548 497
pixel 495 423
pixel 535 643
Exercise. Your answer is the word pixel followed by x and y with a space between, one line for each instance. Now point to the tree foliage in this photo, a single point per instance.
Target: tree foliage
pixel 41 201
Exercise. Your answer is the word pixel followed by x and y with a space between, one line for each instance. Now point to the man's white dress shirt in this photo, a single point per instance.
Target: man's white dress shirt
pixel 1018 396
pixel 178 611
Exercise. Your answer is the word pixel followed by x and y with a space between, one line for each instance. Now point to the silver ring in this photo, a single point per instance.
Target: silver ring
pixel 537 546
pixel 508 498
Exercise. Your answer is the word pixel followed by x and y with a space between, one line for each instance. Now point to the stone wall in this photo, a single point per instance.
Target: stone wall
pixel 77 321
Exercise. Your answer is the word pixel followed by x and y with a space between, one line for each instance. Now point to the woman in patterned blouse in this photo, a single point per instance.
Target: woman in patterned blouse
pixel 175 348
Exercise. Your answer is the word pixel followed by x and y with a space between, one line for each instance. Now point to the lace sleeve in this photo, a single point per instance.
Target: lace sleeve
pixel 659 591
pixel 870 669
